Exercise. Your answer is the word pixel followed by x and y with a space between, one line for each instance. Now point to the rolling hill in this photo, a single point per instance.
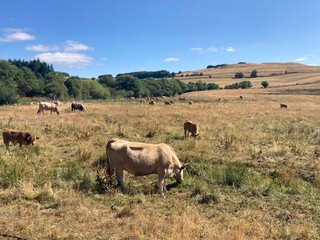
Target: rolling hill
pixel 277 74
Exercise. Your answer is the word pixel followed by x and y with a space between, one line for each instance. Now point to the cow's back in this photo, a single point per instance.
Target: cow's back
pixel 139 158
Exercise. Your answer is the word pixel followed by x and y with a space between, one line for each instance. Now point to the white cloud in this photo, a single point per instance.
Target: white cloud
pixel 203 50
pixel 301 59
pixel 197 49
pixel 41 48
pixel 73 46
pixel 230 49
pixel 171 59
pixel 13 34
pixel 72 60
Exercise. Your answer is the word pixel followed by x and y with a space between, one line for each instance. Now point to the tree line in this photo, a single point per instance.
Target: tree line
pixel 19 79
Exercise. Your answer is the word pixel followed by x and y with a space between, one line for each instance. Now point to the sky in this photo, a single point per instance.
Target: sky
pixel 97 37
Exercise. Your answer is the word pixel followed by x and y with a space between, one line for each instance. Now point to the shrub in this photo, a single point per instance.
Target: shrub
pixel 239 75
pixel 264 84
pixel 254 74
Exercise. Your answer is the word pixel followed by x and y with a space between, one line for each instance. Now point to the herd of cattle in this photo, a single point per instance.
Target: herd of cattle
pixel 137 158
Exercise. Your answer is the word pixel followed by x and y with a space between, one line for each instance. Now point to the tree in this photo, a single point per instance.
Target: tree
pixel 254 74
pixel 55 87
pixel 75 87
pixel 264 84
pixel 129 83
pixel 239 75
pixel 8 94
pixel 96 90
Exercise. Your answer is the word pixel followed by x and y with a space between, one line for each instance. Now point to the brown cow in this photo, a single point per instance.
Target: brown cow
pixel 77 106
pixel 152 102
pixel 190 127
pixel 47 106
pixel 142 159
pixel 283 105
pixel 16 136
pixel 167 103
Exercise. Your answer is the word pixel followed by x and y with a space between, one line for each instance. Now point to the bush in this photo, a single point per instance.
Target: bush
pixel 264 84
pixel 242 85
pixel 212 86
pixel 239 75
pixel 254 74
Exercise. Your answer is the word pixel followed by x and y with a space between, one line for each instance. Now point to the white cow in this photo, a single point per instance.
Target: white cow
pixel 142 159
pixel 47 106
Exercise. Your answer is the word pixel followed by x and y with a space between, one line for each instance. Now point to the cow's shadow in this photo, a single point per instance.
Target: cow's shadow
pixel 155 190
pixel 172 185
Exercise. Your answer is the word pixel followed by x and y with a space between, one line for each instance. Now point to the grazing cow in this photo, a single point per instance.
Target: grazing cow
pixel 283 105
pixel 167 103
pixel 152 102
pixel 77 106
pixel 16 136
pixel 190 127
pixel 48 106
pixel 142 159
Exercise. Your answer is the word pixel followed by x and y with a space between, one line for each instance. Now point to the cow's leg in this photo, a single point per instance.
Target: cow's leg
pixel 7 149
pixel 119 176
pixel 109 171
pixel 185 133
pixel 38 111
pixel 161 183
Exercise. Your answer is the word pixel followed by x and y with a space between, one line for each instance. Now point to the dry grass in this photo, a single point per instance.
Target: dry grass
pixel 253 175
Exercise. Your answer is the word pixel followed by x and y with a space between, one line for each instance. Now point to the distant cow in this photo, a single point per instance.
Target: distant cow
pixel 47 106
pixel 283 105
pixel 77 106
pixel 16 136
pixel 241 98
pixel 142 159
pixel 190 127
pixel 190 103
pixel 167 103
pixel 152 102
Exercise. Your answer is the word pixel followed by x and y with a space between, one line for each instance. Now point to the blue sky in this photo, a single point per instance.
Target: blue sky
pixel 91 38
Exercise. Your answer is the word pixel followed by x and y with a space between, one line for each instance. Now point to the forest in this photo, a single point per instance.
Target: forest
pixel 26 79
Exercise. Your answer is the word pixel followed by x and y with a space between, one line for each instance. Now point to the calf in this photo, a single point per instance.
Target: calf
pixel 142 159
pixel 190 127
pixel 16 136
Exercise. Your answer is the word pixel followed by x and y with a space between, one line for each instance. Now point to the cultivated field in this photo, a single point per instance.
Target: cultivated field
pixel 254 174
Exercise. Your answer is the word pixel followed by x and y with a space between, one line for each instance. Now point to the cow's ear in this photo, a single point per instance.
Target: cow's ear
pixel 184 166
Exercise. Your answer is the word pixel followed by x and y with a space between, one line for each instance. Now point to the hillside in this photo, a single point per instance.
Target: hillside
pixel 277 74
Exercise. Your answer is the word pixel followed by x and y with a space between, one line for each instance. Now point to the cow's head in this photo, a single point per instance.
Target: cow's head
pixel 178 172
pixel 56 110
pixel 31 139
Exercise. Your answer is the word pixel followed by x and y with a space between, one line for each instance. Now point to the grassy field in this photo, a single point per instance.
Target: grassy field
pixel 254 174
